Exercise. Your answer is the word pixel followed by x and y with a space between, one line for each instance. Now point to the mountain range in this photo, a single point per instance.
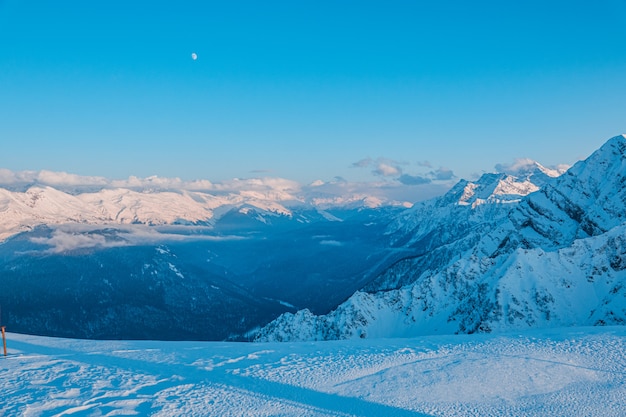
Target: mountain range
pixel 548 251
pixel 533 247
pixel 133 263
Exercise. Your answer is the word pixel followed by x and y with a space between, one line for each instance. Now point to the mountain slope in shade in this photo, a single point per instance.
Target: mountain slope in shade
pixel 187 282
pixel 556 257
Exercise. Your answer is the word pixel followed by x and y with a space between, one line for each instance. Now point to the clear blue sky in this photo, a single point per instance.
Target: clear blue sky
pixel 305 89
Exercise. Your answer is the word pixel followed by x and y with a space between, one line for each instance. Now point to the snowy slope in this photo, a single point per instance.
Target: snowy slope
pixel 48 206
pixel 555 257
pixel 560 372
pixel 575 286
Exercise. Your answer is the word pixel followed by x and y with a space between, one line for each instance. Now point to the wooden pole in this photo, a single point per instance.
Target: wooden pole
pixel 4 341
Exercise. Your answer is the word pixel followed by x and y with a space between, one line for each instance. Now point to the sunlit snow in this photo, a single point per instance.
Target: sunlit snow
pixel 551 372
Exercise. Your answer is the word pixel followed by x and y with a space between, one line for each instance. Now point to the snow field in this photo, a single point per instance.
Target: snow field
pixel 573 372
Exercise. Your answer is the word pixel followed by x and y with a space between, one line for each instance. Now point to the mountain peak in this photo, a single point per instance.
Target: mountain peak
pixel 510 183
pixel 495 187
pixel 531 170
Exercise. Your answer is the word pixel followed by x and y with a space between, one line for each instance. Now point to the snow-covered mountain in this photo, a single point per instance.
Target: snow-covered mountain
pixel 501 253
pixel 28 205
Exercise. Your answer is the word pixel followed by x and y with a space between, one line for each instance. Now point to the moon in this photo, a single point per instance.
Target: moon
pixel 194 56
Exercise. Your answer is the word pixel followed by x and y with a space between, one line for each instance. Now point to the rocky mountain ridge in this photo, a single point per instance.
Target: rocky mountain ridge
pixel 555 257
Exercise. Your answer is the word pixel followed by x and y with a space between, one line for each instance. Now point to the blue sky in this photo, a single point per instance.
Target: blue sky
pixel 307 90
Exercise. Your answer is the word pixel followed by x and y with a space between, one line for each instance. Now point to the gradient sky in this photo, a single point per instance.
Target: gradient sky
pixel 307 90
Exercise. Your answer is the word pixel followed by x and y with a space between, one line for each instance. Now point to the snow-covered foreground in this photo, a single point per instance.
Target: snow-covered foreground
pixel 573 372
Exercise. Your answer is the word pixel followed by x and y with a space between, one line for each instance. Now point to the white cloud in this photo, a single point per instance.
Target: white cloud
pixel 71 237
pixel 374 193
pixel 525 166
pixel 51 178
pixel 393 171
pixel 391 185
pixel 518 165
pixel 61 241
pixel 331 243
pixel 387 170
pixel 65 179
pixel 561 168
pixel 152 182
pixel 384 167
pixel 199 185
pixel 271 188
pixel 8 177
